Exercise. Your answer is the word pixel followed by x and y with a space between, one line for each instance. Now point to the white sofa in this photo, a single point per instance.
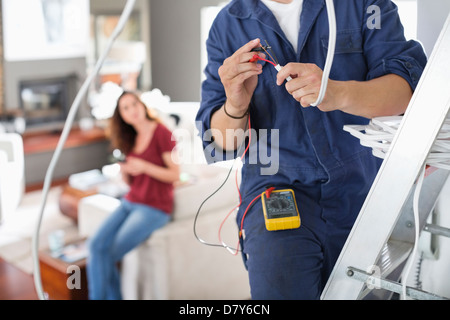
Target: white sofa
pixel 172 263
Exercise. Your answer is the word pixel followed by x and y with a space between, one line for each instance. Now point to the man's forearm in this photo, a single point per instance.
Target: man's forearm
pixel 385 96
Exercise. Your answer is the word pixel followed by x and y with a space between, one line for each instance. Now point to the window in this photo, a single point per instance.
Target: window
pixel 45 29
pixel 408 15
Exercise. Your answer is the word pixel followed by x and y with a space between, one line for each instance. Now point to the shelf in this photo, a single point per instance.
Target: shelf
pixel 47 141
pixel 83 150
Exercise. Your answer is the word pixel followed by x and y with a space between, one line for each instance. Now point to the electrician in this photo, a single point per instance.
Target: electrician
pixel 375 72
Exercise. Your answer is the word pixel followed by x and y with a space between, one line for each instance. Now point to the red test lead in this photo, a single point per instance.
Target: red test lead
pixel 256 58
pixel 274 61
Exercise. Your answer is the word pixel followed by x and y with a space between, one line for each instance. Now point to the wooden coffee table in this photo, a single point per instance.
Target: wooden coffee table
pixel 69 199
pixel 62 280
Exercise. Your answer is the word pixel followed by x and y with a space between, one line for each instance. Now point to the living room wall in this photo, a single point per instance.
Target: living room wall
pixel 175 47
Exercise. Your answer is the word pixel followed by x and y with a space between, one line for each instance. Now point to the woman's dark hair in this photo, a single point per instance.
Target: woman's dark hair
pixel 121 134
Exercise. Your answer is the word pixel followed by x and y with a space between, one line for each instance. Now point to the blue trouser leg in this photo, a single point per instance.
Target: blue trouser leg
pixel 122 231
pixel 292 264
pixel 285 264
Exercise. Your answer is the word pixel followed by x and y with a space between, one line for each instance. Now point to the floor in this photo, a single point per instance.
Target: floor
pixel 15 284
pixel 16 279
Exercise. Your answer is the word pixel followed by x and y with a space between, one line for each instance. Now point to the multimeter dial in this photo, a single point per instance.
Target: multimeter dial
pixel 280 205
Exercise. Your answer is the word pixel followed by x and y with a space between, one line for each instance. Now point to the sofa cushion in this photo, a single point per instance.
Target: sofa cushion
pixel 92 211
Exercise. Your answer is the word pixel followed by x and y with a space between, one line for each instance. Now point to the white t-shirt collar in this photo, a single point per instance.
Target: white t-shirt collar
pixel 288 17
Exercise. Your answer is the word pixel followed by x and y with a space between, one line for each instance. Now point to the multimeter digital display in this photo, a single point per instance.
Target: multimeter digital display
pixel 280 210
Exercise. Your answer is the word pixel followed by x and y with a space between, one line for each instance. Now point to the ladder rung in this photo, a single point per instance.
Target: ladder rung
pixel 437 230
pixel 393 254
pixel 380 283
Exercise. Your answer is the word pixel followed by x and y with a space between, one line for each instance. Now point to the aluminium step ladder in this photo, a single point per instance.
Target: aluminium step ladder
pixel 382 238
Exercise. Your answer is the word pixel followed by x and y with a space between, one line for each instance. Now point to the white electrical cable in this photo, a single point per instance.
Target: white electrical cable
pixel 380 132
pixel 330 55
pixel 412 258
pixel 331 51
pixel 278 68
pixel 66 130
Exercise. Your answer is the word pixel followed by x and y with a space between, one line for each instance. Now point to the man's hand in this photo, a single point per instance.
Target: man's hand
pixel 239 77
pixel 305 85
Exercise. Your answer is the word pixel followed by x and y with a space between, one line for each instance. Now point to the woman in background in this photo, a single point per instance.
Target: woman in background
pixel 150 172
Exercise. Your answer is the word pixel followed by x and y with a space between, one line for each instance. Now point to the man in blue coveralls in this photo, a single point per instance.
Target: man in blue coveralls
pixel 375 72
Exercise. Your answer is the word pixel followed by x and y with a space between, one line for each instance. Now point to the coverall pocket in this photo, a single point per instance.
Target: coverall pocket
pixel 347 41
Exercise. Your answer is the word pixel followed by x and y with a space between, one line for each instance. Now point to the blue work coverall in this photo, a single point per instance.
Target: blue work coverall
pixel 330 172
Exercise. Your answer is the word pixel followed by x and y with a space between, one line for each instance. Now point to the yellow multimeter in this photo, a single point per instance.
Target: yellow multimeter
pixel 280 210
